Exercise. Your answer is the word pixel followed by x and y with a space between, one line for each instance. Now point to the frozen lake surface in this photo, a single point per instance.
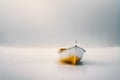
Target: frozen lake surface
pixel 43 64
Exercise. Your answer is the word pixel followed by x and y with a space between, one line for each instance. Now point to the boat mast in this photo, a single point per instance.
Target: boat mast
pixel 75 43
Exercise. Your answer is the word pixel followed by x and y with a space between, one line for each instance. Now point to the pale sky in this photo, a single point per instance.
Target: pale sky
pixel 60 22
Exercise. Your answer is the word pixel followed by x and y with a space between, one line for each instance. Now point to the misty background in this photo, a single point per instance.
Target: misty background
pixel 53 23
pixel 32 30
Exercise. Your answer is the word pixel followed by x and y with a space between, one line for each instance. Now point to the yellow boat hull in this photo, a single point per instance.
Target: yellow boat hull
pixel 71 59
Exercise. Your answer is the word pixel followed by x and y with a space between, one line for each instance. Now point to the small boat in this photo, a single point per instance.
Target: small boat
pixel 71 55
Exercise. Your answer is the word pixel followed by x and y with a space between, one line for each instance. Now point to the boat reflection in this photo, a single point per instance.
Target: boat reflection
pixel 66 67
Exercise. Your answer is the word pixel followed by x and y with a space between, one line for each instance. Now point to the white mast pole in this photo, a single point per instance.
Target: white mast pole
pixel 75 42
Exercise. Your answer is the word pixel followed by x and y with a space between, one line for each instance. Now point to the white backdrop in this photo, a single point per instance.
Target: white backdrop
pixel 55 22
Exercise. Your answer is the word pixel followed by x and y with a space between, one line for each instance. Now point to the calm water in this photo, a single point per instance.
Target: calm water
pixel 43 64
